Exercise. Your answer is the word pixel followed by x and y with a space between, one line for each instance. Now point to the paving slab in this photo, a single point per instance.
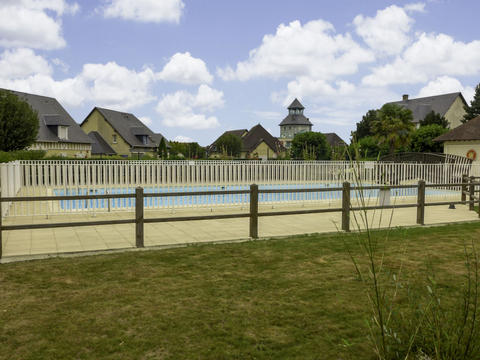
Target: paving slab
pixel 24 243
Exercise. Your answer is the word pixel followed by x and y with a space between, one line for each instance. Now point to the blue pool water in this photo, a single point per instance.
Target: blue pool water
pixel 172 201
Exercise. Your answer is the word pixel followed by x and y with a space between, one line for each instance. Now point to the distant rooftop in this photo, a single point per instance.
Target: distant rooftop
pixel 420 107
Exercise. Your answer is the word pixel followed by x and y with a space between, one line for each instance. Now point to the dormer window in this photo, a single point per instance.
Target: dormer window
pixel 62 132
pixel 144 139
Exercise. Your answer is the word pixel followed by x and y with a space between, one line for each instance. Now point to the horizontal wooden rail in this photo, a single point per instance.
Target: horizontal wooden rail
pixel 306 190
pixel 197 193
pixel 300 212
pixel 194 218
pixel 253 214
pixel 452 184
pixel 66 197
pixel 69 224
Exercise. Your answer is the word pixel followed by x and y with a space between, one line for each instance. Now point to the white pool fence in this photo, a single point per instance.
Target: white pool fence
pixel 31 178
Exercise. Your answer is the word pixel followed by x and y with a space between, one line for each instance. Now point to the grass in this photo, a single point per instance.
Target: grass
pixel 297 298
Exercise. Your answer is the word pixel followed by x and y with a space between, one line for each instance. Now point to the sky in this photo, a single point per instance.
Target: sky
pixel 192 69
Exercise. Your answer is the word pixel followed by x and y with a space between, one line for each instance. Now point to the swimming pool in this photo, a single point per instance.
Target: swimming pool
pixel 220 199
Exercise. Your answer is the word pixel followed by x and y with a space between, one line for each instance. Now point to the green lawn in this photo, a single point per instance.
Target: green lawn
pixel 297 298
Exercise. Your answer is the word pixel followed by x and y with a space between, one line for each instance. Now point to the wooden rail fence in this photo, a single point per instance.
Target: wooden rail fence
pixel 468 189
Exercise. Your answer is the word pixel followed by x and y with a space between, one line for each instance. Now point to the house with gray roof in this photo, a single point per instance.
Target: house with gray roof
pixel 464 140
pixel 58 133
pixel 450 106
pixel 122 131
pixel 334 140
pixel 294 123
pixel 257 143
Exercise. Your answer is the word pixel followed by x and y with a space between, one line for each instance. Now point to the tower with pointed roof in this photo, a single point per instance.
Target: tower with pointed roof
pixel 294 123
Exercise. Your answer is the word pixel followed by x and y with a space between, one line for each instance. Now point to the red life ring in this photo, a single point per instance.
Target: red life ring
pixel 471 154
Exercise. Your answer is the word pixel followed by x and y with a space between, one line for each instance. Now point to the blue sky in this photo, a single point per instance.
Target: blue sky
pixel 192 69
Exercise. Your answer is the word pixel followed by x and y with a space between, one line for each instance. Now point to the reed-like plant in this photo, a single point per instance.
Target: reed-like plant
pixel 411 318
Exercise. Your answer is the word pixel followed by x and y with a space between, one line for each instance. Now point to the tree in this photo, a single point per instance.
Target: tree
pixel 364 127
pixel 435 118
pixel 369 148
pixel 18 123
pixel 393 126
pixel 422 138
pixel 229 144
pixel 310 146
pixel 186 150
pixel 473 110
pixel 162 149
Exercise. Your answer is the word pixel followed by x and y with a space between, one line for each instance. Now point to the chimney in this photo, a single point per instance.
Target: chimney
pixel 405 97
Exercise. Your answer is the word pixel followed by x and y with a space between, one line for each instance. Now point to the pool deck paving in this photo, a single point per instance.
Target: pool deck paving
pixel 38 243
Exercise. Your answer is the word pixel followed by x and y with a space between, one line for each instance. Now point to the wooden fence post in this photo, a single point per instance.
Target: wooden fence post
pixel 1 242
pixel 139 217
pixel 464 187
pixel 254 211
pixel 471 191
pixel 421 203
pixel 346 206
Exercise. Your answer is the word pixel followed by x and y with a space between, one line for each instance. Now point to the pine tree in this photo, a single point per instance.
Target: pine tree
pixel 473 110
pixel 162 149
pixel 364 127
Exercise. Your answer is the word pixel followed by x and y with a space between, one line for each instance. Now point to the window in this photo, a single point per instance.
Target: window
pixel 62 132
pixel 114 138
pixel 144 139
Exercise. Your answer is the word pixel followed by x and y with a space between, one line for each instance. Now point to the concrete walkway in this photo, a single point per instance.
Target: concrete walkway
pixel 22 244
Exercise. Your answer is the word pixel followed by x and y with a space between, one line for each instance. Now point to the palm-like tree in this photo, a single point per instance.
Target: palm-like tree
pixel 393 126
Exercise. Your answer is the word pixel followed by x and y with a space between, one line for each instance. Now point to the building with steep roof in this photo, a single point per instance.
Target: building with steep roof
pixel 257 143
pixel 334 140
pixel 58 133
pixel 122 131
pixel 295 122
pixel 448 105
pixel 464 140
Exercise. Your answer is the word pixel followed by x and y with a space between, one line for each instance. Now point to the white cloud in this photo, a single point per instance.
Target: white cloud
pixel 185 69
pixel 387 32
pixel 183 139
pixel 415 7
pixel 156 11
pixel 268 115
pixel 146 120
pixel 71 91
pixel 311 49
pixel 103 84
pixel 30 23
pixel 428 57
pixel 20 63
pixel 116 86
pixel 304 86
pixel 61 64
pixel 445 85
pixel 184 109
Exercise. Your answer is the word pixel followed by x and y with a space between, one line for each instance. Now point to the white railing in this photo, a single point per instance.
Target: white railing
pixel 10 183
pixel 73 177
pixel 56 174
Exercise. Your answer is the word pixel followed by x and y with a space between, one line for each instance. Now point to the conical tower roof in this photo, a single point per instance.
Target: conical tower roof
pixel 296 105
